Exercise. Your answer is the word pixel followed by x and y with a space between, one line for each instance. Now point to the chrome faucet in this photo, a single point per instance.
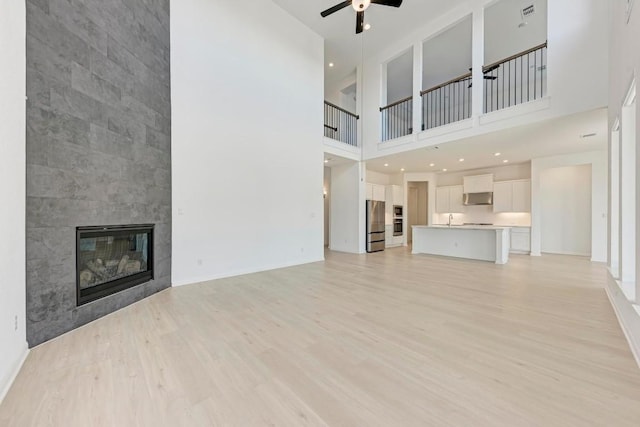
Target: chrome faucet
pixel 450 219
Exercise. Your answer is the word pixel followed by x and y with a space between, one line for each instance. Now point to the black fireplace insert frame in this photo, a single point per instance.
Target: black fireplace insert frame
pixel 87 295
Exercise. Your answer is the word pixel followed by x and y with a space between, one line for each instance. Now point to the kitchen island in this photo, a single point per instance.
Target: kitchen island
pixel 485 243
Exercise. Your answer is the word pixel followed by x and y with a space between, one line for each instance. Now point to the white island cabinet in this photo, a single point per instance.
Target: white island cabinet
pixel 485 243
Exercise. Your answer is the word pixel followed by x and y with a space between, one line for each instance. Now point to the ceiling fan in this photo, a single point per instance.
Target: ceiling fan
pixel 359 6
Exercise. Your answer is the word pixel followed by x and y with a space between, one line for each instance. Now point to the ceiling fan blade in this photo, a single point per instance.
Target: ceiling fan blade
pixel 335 8
pixel 393 3
pixel 359 22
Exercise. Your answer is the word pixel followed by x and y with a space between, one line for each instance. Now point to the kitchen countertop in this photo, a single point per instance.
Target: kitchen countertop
pixel 465 227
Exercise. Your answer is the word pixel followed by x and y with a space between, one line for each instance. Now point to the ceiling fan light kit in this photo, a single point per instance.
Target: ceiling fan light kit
pixel 359 6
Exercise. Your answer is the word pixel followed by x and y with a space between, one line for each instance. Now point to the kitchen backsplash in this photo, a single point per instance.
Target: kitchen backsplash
pixel 485 215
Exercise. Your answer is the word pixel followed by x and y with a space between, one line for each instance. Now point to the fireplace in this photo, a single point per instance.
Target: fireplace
pixel 110 259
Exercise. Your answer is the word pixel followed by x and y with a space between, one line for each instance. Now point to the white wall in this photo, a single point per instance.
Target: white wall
pixel 504 37
pixel 500 173
pixel 334 91
pixel 347 227
pixel 13 343
pixel 399 77
pixel 438 63
pixel 247 132
pixel 565 210
pixel 599 197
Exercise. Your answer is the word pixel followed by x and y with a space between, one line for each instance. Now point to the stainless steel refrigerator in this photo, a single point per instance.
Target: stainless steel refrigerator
pixel 375 226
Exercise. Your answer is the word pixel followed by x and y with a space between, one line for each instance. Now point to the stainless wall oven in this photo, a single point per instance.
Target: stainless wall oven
pixel 397 226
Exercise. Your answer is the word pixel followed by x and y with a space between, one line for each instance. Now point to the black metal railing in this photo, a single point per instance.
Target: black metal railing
pixel 340 124
pixel 515 80
pixel 397 119
pixel 446 103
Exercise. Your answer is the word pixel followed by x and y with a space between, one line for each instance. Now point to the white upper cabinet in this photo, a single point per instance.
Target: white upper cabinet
pixel 478 183
pixel 522 196
pixel 455 199
pixel 512 196
pixel 375 192
pixel 378 192
pixel 449 199
pixel 397 195
pixel 502 196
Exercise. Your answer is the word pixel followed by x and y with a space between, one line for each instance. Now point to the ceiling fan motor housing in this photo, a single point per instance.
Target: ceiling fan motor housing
pixel 361 5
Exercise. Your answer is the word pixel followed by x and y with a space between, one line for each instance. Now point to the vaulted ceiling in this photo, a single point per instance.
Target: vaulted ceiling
pixel 388 24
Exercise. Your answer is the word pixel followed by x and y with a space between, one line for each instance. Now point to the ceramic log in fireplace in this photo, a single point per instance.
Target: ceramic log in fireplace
pixel 110 259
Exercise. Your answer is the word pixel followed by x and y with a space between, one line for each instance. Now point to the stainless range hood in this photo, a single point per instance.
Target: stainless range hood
pixel 473 199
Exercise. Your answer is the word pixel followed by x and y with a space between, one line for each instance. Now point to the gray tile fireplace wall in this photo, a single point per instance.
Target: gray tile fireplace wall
pixel 98 145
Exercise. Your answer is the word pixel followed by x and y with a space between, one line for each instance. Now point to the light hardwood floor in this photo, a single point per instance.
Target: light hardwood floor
pixel 386 339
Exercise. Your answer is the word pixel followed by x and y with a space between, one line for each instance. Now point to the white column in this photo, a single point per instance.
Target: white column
pixel 359 106
pixel 347 205
pixel 614 204
pixel 477 63
pixel 417 87
pixel 628 196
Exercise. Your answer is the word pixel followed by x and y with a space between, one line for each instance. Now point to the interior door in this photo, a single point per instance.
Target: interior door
pixel 412 217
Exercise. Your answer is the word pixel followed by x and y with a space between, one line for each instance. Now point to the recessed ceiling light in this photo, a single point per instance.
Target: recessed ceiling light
pixel 444 170
pixel 497 154
pixel 432 164
pixel 326 161
pixel 386 164
pixel 367 26
pixel 330 64
pixel 401 169
pixel 461 160
pixel 505 161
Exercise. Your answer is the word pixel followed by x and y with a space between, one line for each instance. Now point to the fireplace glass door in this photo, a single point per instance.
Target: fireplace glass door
pixel 111 259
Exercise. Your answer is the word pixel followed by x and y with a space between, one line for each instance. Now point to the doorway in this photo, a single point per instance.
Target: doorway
pixel 417 205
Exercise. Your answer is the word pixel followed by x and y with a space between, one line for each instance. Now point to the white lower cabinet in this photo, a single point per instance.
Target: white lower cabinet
pixel 391 241
pixel 521 240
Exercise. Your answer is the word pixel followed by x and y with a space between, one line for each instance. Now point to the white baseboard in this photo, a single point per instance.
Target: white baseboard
pixel 627 315
pixel 14 373
pixel 242 272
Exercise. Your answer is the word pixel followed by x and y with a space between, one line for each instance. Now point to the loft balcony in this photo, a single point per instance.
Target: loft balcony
pixel 511 81
pixel 340 124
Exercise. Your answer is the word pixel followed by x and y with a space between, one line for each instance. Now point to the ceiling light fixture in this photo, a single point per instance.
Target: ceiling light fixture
pixel 386 164
pixel 330 64
pixel 326 161
pixel 505 161
pixel 497 154
pixel 444 170
pixel 401 169
pixel 432 164
pixel 461 160
pixel 367 26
